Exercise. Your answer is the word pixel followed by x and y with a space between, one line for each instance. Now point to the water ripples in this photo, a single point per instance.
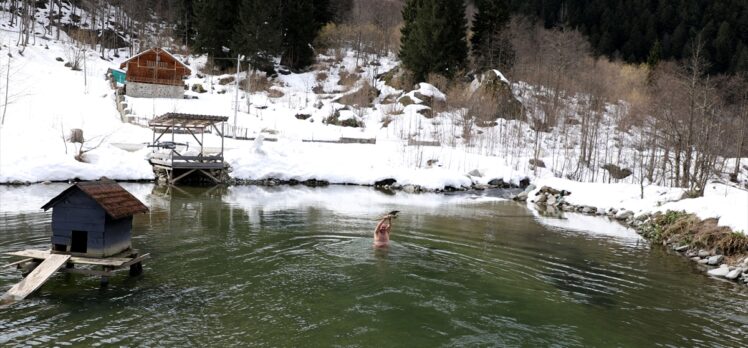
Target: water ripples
pixel 460 275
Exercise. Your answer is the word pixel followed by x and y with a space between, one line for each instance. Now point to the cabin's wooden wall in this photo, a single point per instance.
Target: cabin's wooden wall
pixel 78 212
pixel 169 71
pixel 118 235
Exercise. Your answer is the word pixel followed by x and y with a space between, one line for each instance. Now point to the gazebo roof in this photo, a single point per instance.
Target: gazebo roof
pixel 186 120
pixel 112 197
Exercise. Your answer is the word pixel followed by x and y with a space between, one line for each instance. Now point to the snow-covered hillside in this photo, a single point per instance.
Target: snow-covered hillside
pixel 49 99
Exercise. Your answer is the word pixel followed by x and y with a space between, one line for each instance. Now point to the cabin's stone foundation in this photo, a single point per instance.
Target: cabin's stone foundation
pixel 149 90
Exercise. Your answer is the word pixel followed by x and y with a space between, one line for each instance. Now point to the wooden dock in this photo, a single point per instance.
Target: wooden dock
pixel 52 262
pixel 35 279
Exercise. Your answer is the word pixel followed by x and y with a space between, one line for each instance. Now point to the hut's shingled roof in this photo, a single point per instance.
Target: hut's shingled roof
pixel 112 197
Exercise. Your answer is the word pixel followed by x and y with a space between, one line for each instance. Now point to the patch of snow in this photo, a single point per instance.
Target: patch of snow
pixel 588 224
pixel 501 76
pixel 430 90
pixel 727 203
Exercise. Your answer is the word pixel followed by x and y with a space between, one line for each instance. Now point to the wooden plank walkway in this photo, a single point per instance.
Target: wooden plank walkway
pixel 35 279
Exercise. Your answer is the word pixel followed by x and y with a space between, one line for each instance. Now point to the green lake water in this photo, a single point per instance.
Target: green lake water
pixel 295 267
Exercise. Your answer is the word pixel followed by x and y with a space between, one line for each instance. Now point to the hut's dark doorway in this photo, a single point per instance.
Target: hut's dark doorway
pixel 79 242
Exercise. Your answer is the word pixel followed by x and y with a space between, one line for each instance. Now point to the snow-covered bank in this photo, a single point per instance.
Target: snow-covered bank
pixel 46 159
pixel 366 164
pixel 726 203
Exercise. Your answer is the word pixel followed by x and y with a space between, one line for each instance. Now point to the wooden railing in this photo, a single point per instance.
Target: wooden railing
pixel 172 82
pixel 197 158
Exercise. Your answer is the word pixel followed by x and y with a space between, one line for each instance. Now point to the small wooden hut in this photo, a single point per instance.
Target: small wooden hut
pixel 91 226
pixel 155 73
pixel 93 219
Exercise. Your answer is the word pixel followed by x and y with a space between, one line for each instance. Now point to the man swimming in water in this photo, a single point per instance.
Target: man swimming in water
pixel 382 231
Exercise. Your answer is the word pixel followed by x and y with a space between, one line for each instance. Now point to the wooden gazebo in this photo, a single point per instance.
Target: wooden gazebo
pixel 169 159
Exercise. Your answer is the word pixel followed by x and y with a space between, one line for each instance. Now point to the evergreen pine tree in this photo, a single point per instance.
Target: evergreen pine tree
pixel 434 37
pixel 215 21
pixel 413 40
pixel 655 54
pixel 490 48
pixel 723 46
pixel 258 32
pixel 301 21
pixel 185 17
pixel 740 62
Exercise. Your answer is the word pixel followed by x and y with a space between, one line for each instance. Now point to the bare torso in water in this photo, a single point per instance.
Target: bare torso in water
pixel 382 232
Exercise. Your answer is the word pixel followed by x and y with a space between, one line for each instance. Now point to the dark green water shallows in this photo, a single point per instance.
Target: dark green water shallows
pixel 250 266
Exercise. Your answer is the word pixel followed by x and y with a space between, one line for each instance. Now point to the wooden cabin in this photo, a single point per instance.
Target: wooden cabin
pixel 93 219
pixel 155 73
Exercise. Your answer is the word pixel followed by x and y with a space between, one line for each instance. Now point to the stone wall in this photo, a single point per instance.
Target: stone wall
pixel 148 90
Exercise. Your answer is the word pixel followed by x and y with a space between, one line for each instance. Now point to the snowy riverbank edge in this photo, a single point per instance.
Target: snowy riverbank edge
pixel 618 202
pixel 720 215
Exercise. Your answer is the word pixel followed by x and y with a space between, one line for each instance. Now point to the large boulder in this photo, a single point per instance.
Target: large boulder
pixel 721 271
pixel 494 91
pixel 734 274
pixel 362 97
pixel 617 172
pixel 537 163
pixel 715 260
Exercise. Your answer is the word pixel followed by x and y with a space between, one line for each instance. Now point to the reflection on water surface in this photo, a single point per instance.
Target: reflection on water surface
pixel 294 266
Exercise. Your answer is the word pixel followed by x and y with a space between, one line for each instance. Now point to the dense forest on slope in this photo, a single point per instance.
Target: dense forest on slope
pixel 634 29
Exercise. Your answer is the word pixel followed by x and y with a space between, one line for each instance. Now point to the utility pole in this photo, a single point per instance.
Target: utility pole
pixel 236 94
pixel 85 78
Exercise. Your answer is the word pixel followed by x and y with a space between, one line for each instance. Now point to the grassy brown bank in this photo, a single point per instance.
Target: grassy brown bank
pixel 702 241
pixel 682 229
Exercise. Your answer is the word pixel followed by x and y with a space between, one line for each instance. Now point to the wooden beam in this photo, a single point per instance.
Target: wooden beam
pixel 210 176
pixel 17 263
pixel 217 131
pixel 34 254
pixel 197 158
pixel 162 134
pixel 174 181
pixel 136 260
pixel 196 139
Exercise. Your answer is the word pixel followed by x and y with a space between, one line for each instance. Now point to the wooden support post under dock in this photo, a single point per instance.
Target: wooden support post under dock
pixel 35 279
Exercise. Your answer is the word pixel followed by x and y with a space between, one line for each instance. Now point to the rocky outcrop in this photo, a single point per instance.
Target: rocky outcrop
pixel 494 90
pixel 537 163
pixel 617 172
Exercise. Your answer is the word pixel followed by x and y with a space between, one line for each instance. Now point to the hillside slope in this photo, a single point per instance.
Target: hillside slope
pixel 413 147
